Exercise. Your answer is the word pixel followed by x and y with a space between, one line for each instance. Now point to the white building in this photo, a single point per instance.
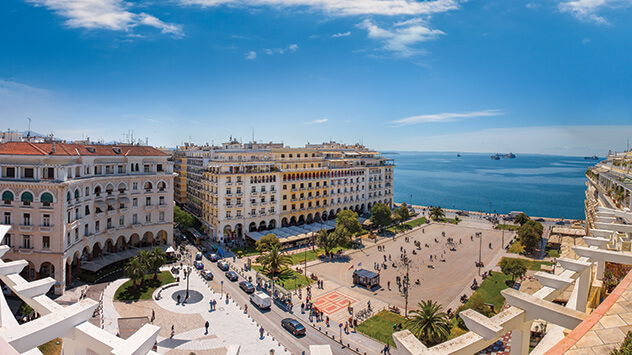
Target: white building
pixel 74 205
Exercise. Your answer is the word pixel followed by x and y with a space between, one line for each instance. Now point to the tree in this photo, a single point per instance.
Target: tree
pixel 329 240
pixel 157 259
pixel 135 270
pixel 521 218
pixel 144 256
pixel 531 234
pixel 437 213
pixel 381 215
pixel 513 267
pixel 429 324
pixel 266 242
pixel 403 212
pixel 349 220
pixel 274 260
pixel 183 218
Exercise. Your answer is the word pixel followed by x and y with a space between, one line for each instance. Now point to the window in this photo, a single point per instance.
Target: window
pixel 148 217
pixel 46 220
pixel 109 223
pixel 26 242
pixel 86 231
pixel 161 200
pixel 48 173
pixel 254 189
pixel 121 220
pixel 77 234
pixel 68 238
pixel 86 210
pixel 161 216
pixel 135 185
pixel 147 168
pixel 29 173
pixel 284 208
pixel 10 172
pixel 46 242
pixel 7 218
pixel 135 202
pixel 97 226
pixel 253 212
pixel 284 197
pixel 284 187
pixel 147 201
pixel 7 197
pixel 7 239
pixel 227 214
pixel 121 169
pixel 26 219
pixel 134 218
pixel 27 198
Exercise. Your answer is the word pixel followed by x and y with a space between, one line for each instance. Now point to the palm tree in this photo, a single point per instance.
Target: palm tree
pixel 158 258
pixel 135 270
pixel 429 324
pixel 144 257
pixel 437 213
pixel 274 260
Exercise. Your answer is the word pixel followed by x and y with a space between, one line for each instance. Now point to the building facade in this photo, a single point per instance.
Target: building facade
pixel 240 188
pixel 71 203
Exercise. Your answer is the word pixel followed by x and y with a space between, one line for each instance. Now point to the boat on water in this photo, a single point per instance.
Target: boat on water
pixel 458 155
pixel 594 157
pixel 496 156
pixel 510 155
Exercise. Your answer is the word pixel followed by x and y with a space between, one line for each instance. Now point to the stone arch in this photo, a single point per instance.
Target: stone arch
pixel 8 195
pixel 293 221
pixel 338 211
pixel 85 254
pixel 362 207
pixel 272 224
pixel 262 226
pixel 121 244
pixel 109 188
pixel 29 273
pixel 284 222
pixel 332 214
pixel 317 217
pixel 301 220
pixel 109 246
pixel 309 219
pixel 147 185
pixel 26 196
pixel 97 190
pixel 161 237
pixel 122 187
pixel 96 250
pixel 228 232
pixel 252 227
pixel 77 193
pixel 134 240
pixel 47 197
pixel 162 185
pixel 239 230
pixel 148 238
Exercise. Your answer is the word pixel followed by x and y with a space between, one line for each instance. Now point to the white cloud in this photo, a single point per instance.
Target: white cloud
pixel 345 34
pixel 533 5
pixel 105 14
pixel 252 55
pixel 445 117
pixel 586 40
pixel 403 37
pixel 289 49
pixel 587 10
pixel 347 7
pixel 318 121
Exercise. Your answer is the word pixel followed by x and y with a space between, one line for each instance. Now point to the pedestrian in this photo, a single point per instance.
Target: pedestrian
pixel 178 298
pixel 153 315
pixel 368 304
pixel 173 330
pixel 210 305
pixel 261 331
pixel 206 326
pixel 388 283
pixel 245 308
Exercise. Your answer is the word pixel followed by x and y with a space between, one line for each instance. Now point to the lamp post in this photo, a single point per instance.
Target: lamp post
pixel 188 276
pixel 221 287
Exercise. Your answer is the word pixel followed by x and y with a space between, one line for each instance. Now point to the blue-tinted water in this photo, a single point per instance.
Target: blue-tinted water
pixel 540 185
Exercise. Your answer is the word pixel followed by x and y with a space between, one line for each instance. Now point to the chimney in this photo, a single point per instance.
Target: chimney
pixel 53 149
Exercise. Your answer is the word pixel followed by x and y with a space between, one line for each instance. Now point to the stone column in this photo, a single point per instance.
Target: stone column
pixel 583 289
pixel 520 339
pixel 601 267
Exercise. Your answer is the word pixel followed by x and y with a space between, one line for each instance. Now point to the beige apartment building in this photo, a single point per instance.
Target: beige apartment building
pixel 237 189
pixel 75 206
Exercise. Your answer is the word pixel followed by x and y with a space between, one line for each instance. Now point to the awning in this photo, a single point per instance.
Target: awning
pixel 100 204
pixel 170 250
pixel 255 235
pixel 111 201
pixel 124 200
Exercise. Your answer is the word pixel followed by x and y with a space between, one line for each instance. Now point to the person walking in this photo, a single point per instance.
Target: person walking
pixel 206 326
pixel 153 315
pixel 261 331
pixel 173 330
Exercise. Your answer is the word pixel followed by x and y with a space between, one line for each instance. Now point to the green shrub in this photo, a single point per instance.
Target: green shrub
pixel 626 346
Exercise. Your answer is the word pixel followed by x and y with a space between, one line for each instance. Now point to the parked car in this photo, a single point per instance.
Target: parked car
pixel 247 287
pixel 214 257
pixel 231 275
pixel 207 275
pixel 203 249
pixel 261 300
pixel 198 265
pixel 293 326
pixel 198 256
pixel 222 265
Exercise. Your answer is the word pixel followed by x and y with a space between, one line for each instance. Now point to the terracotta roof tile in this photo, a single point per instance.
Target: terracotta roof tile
pixel 69 149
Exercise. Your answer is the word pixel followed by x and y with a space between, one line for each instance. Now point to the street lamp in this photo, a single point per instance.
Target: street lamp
pixel 188 276
pixel 221 287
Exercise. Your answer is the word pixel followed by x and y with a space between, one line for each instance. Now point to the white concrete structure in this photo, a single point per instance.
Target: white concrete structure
pixel 238 189
pixel 69 323
pixel 70 203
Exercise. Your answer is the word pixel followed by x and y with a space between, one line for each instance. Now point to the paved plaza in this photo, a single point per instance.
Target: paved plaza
pixel 230 328
pixel 444 278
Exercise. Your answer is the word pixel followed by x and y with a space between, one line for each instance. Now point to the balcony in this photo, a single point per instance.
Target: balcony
pixel 46 229
pixel 26 251
pixel 26 228
pixel 111 212
pixel 264 192
pixel 148 207
pixel 254 193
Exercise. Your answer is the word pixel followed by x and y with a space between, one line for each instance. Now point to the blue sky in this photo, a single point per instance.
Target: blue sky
pixel 535 76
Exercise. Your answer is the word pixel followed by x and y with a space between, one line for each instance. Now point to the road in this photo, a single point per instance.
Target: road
pixel 271 319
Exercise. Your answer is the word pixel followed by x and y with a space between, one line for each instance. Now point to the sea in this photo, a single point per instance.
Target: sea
pixel 539 185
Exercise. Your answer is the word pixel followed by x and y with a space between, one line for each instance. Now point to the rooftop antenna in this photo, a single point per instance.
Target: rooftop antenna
pixel 28 134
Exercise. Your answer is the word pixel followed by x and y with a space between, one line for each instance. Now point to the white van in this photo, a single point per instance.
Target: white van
pixel 261 300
